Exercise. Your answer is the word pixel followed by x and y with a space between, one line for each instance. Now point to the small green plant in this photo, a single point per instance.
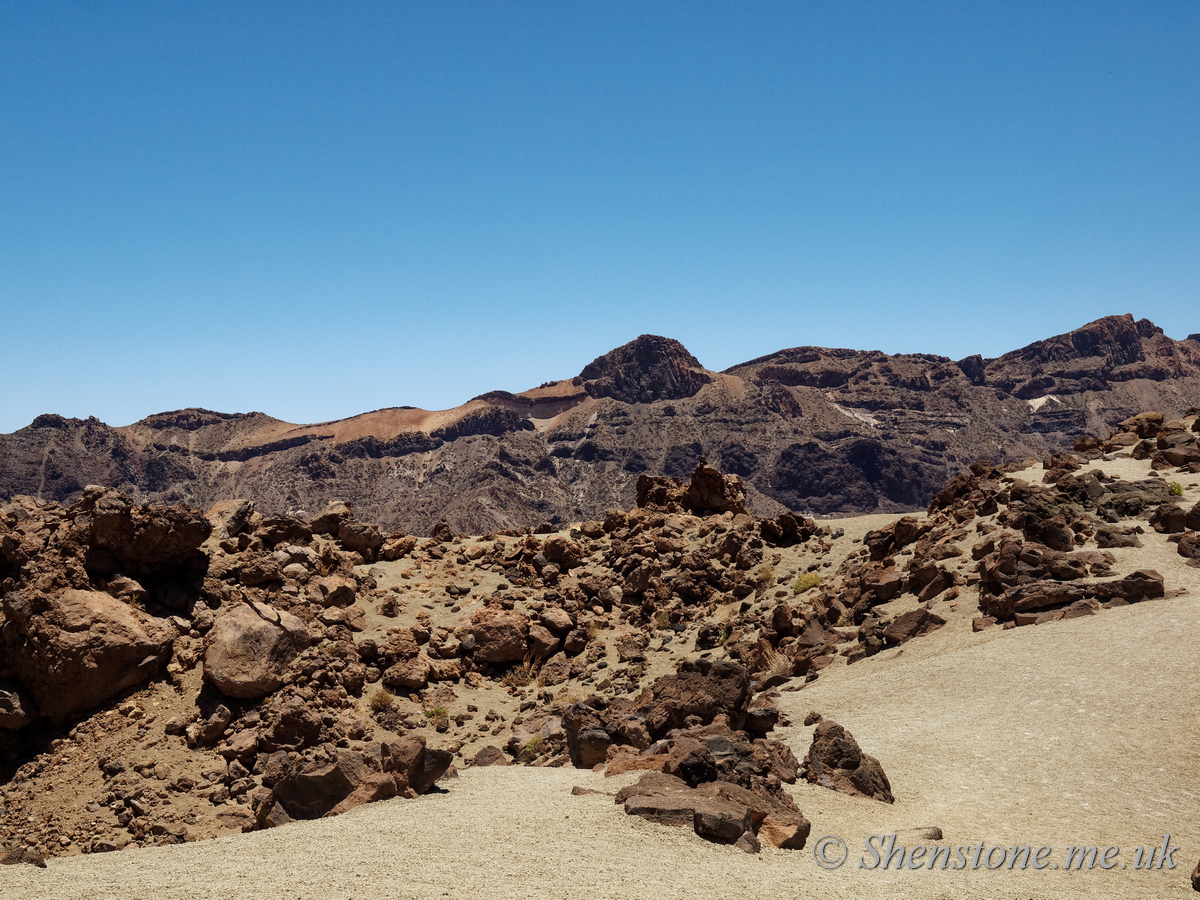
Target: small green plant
pixel 382 701
pixel 533 747
pixel 436 713
pixel 1176 489
pixel 662 619
pixel 806 583
pixel 845 621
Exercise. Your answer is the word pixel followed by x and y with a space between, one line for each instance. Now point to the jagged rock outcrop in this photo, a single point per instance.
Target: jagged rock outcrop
pixel 645 370
pixel 835 761
pixel 334 782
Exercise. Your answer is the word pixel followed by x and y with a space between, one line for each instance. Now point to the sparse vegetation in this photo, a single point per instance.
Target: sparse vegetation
pixel 435 713
pixel 523 674
pixel 1176 489
pixel 382 700
pixel 806 583
pixel 533 747
pixel 777 664
pixel 764 577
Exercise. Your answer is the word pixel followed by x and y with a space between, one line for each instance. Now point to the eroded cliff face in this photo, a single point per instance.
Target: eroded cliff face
pixel 811 429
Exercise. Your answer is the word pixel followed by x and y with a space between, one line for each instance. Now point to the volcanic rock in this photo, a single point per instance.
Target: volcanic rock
pixel 835 761
pixel 74 649
pixel 249 648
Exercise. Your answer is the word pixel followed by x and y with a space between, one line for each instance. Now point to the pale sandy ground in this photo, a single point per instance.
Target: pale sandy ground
pixel 1080 732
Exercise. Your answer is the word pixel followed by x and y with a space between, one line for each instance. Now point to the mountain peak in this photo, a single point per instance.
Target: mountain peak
pixel 646 369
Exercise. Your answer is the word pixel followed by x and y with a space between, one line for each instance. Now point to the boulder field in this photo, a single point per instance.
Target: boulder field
pixel 168 675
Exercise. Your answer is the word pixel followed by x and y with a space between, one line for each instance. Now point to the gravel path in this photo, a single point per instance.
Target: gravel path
pixel 1080 732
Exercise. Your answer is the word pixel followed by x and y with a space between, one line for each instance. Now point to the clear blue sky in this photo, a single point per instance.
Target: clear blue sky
pixel 317 209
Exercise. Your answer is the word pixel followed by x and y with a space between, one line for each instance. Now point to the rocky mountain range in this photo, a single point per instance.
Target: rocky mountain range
pixel 809 429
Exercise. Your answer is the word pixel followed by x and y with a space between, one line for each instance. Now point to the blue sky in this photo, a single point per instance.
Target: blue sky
pixel 318 209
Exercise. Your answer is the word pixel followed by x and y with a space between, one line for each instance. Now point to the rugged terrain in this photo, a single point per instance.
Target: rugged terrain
pixel 168 676
pixel 811 429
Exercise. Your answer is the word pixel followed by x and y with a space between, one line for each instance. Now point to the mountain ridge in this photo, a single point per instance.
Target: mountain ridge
pixel 817 430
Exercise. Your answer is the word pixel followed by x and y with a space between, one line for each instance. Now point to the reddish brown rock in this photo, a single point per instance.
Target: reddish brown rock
pixel 142 534
pixel 16 707
pixel 336 590
pixel 699 688
pixel 1144 425
pixel 318 788
pixel 249 648
pixel 1168 519
pixel 229 518
pixel 499 636
pixel 331 517
pixel 784 831
pixel 557 619
pixel 410 675
pixel 542 643
pixel 362 538
pixel 668 800
pixel 74 649
pixel 915 623
pixel 835 761
pixel 562 552
pixel 710 492
pixel 1116 536
pixel 1189 546
pixel 490 756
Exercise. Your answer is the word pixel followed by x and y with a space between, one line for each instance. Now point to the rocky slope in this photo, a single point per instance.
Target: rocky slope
pixel 810 429
pixel 169 676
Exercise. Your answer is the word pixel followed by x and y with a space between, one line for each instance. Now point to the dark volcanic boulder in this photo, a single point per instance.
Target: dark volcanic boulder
pixel 720 783
pixel 667 800
pixel 915 623
pixel 837 762
pixel 708 492
pixel 74 649
pixel 699 693
pixel 711 492
pixel 500 636
pixel 1189 546
pixel 699 688
pixel 1168 519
